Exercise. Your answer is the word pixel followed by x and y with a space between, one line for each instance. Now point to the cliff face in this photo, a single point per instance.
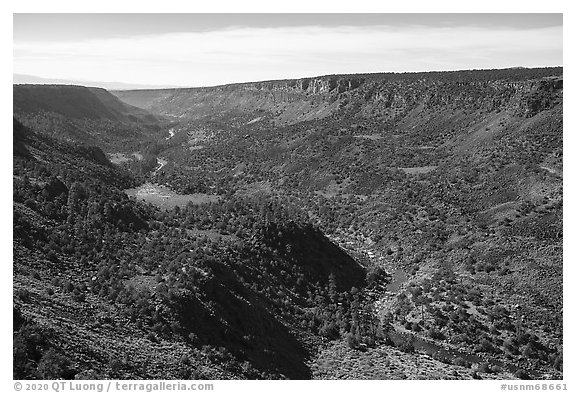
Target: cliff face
pixel 380 96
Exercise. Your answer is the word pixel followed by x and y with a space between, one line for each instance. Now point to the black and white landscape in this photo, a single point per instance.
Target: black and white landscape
pixel 348 226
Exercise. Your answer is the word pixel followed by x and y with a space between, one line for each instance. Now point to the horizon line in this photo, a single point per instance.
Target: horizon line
pixel 75 82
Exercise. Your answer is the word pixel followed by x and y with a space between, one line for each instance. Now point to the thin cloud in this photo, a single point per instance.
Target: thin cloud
pixel 240 54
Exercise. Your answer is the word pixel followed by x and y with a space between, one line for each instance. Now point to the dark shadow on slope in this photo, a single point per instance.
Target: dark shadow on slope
pixel 233 317
pixel 316 254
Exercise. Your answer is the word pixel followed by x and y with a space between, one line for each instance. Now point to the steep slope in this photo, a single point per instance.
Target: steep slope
pixel 228 290
pixel 452 179
pixel 81 114
pixel 76 102
pixel 446 187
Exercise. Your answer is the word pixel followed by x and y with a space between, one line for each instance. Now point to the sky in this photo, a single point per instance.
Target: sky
pixel 213 49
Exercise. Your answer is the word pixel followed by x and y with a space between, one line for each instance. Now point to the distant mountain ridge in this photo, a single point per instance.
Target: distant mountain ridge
pixel 19 79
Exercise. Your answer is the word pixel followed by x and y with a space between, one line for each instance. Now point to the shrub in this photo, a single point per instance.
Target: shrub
pixel 461 362
pixel 23 294
pixel 352 340
pixel 558 362
pixel 152 337
pixel 115 366
pixel 436 334
pixel 53 365
pixel 485 346
pixel 329 330
pixel 484 368
pixel 407 345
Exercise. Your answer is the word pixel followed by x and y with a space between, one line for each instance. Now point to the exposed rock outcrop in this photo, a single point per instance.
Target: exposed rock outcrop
pixel 384 96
